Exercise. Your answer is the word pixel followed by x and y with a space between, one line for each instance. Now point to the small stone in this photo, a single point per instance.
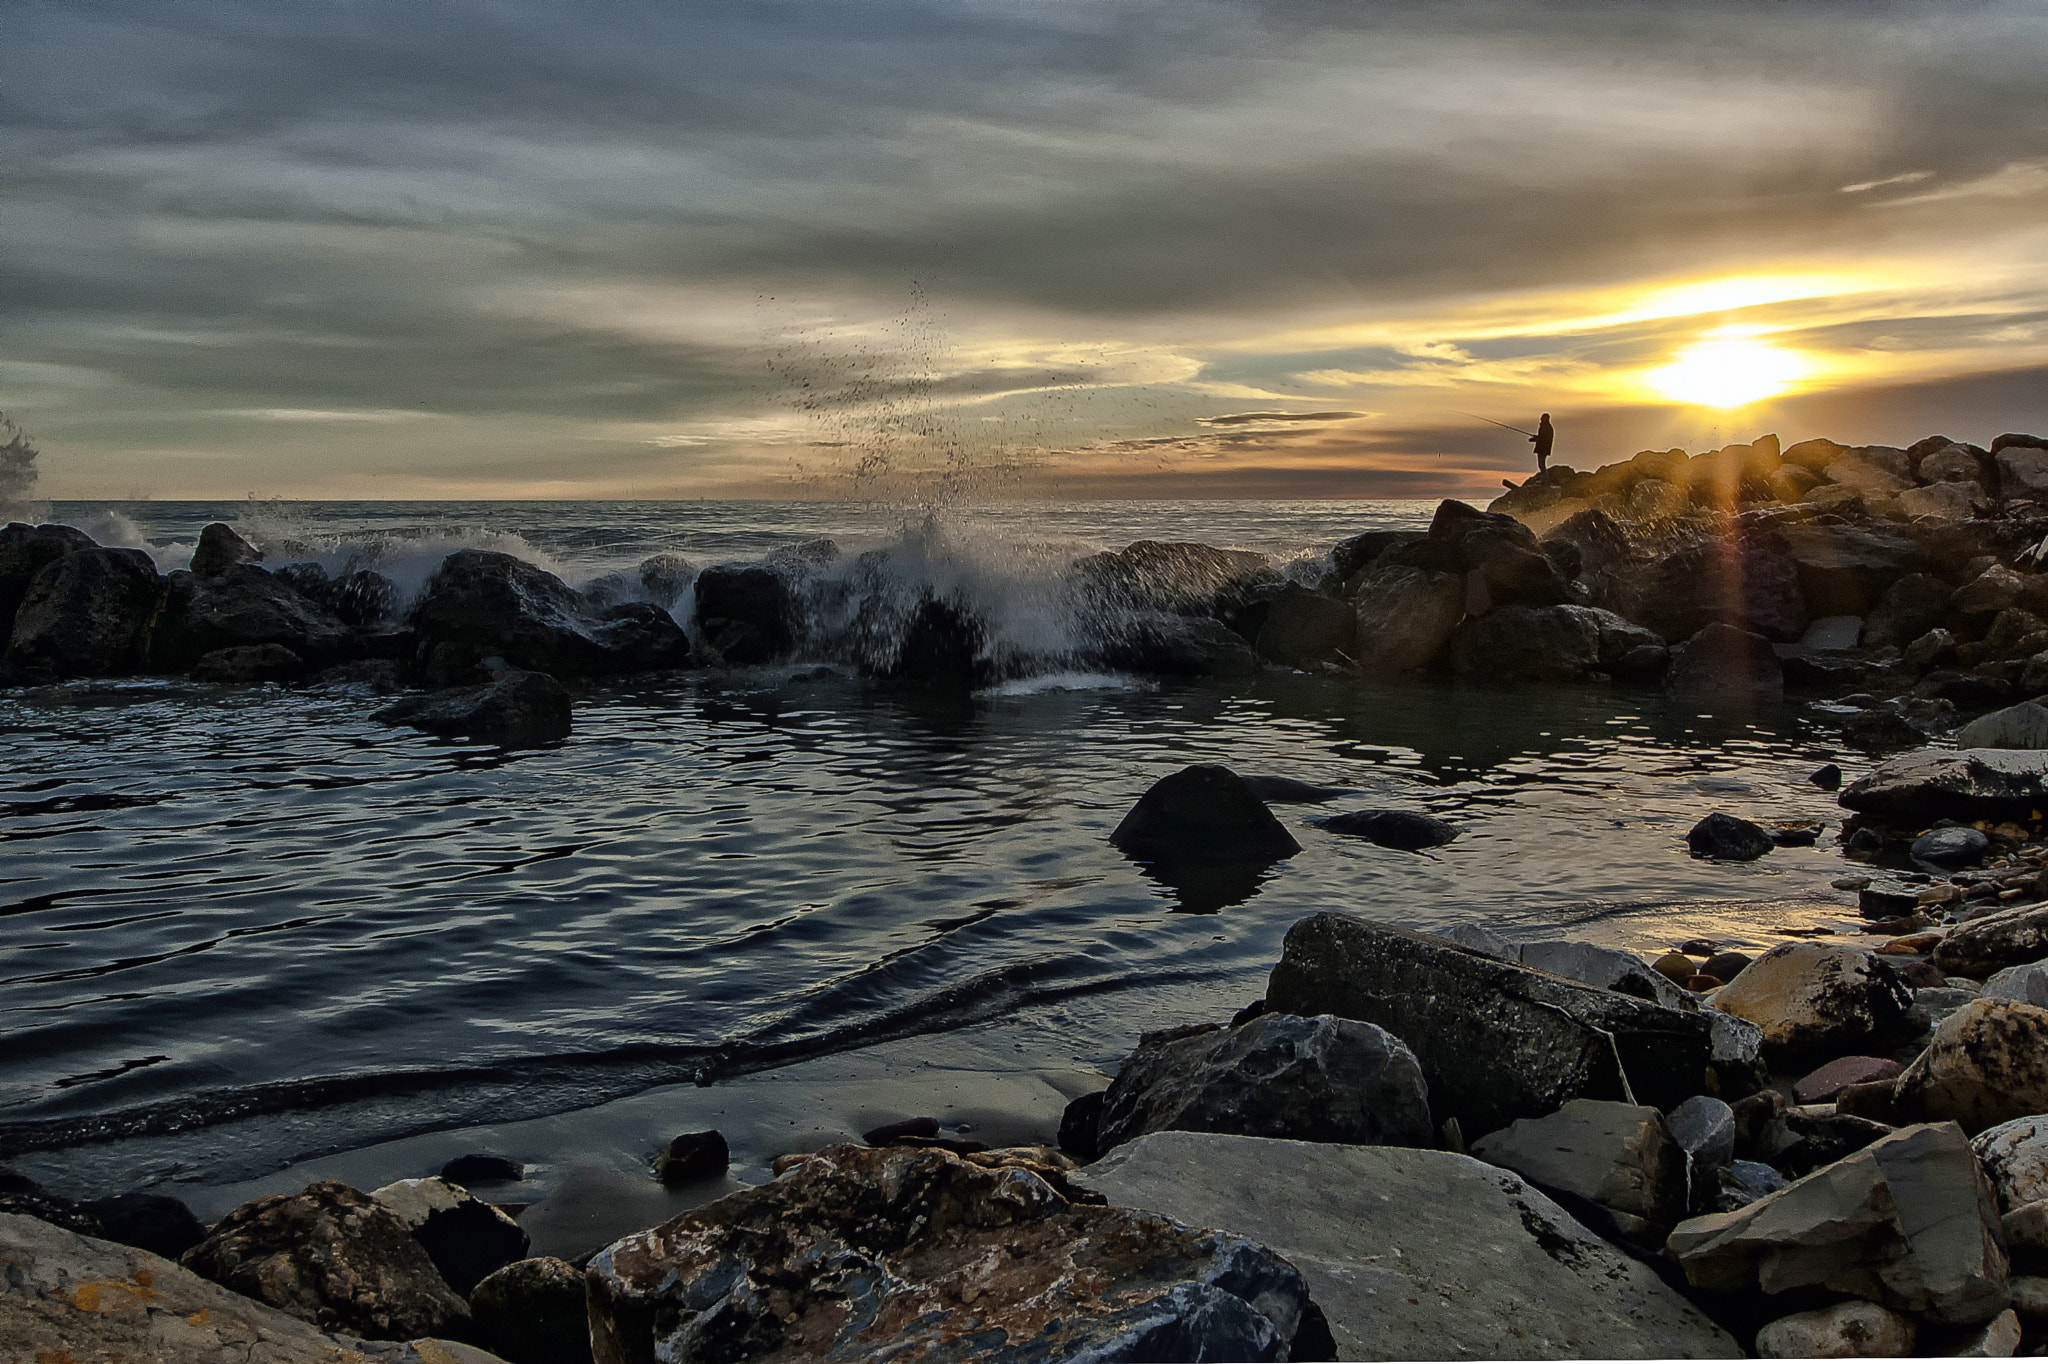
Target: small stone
pixel 1697 947
pixel 1846 1330
pixel 1824 1084
pixel 2026 1227
pixel 1887 900
pixel 1725 965
pixel 1404 830
pixel 2029 1295
pixel 699 1155
pixel 1922 975
pixel 1904 923
pixel 1701 984
pixel 1741 1183
pixel 1725 838
pixel 1675 966
pixel 1872 1101
pixel 1828 778
pixel 1949 848
pixel 1850 882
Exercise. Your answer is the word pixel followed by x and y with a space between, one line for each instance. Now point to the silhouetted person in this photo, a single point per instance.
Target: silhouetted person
pixel 1542 440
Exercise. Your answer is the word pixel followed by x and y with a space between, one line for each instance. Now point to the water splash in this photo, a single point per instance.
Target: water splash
pixel 17 473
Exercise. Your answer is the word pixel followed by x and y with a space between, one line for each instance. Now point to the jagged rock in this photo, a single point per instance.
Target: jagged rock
pixel 746 613
pixel 1303 627
pixel 1996 589
pixel 1814 998
pixel 249 663
pixel 1406 616
pixel 1501 551
pixel 637 636
pixel 1798 1141
pixel 941 644
pixel 1497 1041
pixel 1846 1330
pixel 519 709
pixel 1815 455
pixel 240 605
pixel 1279 1075
pixel 482 604
pixel 1177 646
pixel 1726 838
pixel 1983 947
pixel 85 614
pixel 2027 984
pixel 1947 501
pixel 1908 1222
pixel 918 1251
pixel 1348 557
pixel 1175 576
pixel 220 547
pixel 1844 570
pixel 1722 661
pixel 1823 1084
pixel 2014 1155
pixel 1743 583
pixel 1986 1064
pixel 1998 1339
pixel 2021 726
pixel 335 1258
pixel 1202 814
pixel 701 1155
pixel 2022 471
pixel 1619 1155
pixel 24 551
pixel 1605 968
pixel 1742 1182
pixel 1487 1267
pixel 533 1312
pixel 68 1297
pixel 1916 789
pixel 1403 829
pixel 1528 644
pixel 465 1237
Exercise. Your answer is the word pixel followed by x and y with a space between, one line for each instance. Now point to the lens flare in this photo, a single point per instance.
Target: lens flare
pixel 1728 368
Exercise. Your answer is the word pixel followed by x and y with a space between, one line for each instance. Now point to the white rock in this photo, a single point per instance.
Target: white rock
pixel 1608 969
pixel 2022 726
pixel 2015 1159
pixel 1483 940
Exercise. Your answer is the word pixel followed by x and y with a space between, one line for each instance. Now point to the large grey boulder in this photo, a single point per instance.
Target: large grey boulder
pixel 1980 948
pixel 66 1297
pixel 1203 813
pixel 860 1253
pixel 1915 789
pixel 1606 968
pixel 1497 1041
pixel 1406 616
pixel 1908 1222
pixel 2014 1155
pixel 1174 646
pixel 1986 1064
pixel 2027 984
pixel 1811 999
pixel 1417 1254
pixel 86 614
pixel 1279 1075
pixel 1619 1155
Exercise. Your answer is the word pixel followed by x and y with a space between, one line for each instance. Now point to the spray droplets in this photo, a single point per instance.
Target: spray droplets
pixel 17 472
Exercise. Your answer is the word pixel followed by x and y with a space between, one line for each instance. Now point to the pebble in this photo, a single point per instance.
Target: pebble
pixel 1676 966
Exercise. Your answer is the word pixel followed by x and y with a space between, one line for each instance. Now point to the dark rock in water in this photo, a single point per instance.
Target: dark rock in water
pixel 482 1169
pixel 156 1223
pixel 1887 900
pixel 1497 1041
pixel 465 1237
pixel 220 547
pixel 693 1156
pixel 1950 848
pixel 905 1127
pixel 1081 1127
pixel 1347 557
pixel 638 636
pixel 943 645
pixel 333 1257
pixel 1176 646
pixel 532 1312
pixel 1403 829
pixel 1810 671
pixel 1291 791
pixel 519 709
pixel 1881 728
pixel 1827 777
pixel 949 1260
pixel 482 604
pixel 1306 1079
pixel 24 551
pixel 1406 616
pixel 1725 838
pixel 1724 662
pixel 86 614
pixel 1304 627
pixel 1795 836
pixel 249 663
pixel 1916 789
pixel 1171 576
pixel 1202 814
pixel 238 606
pixel 1527 644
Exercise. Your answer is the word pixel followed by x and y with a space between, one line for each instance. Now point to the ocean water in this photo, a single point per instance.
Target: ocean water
pixel 255 910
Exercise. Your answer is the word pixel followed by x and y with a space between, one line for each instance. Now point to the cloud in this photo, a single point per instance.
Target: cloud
pixel 2014 180
pixel 1905 178
pixel 1262 418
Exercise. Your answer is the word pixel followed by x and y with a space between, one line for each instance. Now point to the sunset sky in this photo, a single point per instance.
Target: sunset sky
pixel 1062 247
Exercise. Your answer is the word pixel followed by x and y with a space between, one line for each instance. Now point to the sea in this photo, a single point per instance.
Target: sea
pixel 243 926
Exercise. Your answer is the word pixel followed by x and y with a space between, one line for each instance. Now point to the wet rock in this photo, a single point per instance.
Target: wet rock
pixel 2021 726
pixel 1619 1155
pixel 1881 728
pixel 1722 661
pixel 1980 948
pixel 637 636
pixel 1704 1129
pixel 1403 829
pixel 1280 1075
pixel 1916 789
pixel 481 604
pixel 1174 576
pixel 1406 616
pixel 1176 646
pixel 68 1297
pixel 1814 998
pixel 1725 838
pixel 1741 583
pixel 1487 1266
pixel 157 1223
pixel 698 1155
pixel 1950 848
pixel 335 1258
pixel 248 663
pixel 220 548
pixel 746 613
pixel 1202 814
pixel 1304 627
pixel 1887 900
pixel 1497 1041
pixel 1348 557
pixel 1527 644
pixel 922 1128
pixel 1846 1330
pixel 473 1170
pixel 1606 969
pixel 85 614
pixel 1908 1222
pixel 1827 777
pixel 24 551
pixel 465 1237
pixel 941 645
pixel 2014 1155
pixel 1483 940
pixel 1844 570
pixel 1822 1085
pixel 1081 1127
pixel 943 1258
pixel 532 1312
pixel 519 709
pixel 1986 1064
pixel 240 606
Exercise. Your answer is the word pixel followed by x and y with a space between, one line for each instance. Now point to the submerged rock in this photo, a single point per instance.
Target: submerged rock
pixel 1403 829
pixel 1725 838
pixel 1202 814
pixel 249 663
pixel 519 709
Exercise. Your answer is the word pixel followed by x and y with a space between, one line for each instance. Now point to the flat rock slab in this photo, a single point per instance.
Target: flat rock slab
pixel 1417 1254
pixel 1965 784
pixel 70 1297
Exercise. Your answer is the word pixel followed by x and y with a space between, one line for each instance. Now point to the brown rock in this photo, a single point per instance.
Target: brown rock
pixel 1872 1101
pixel 1986 1064
pixel 1676 966
pixel 1846 1330
pixel 1815 998
pixel 1980 947
pixel 1827 1083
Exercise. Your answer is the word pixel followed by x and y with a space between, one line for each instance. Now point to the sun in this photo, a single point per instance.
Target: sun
pixel 1729 367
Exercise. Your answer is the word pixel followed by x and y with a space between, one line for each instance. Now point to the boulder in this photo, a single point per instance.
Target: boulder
pixel 2022 472
pixel 246 663
pixel 1604 968
pixel 1704 1129
pixel 1814 998
pixel 1202 814
pixel 695 1156
pixel 1527 644
pixel 1175 646
pixel 2014 1155
pixel 1955 463
pixel 157 1223
pixel 1619 1155
pixel 86 614
pixel 533 1312
pixel 481 604
pixel 637 636
pixel 1996 589
pixel 1908 1223
pixel 1417 1254
pixel 1500 552
pixel 1483 940
pixel 1403 829
pixel 1724 662
pixel 1497 1041
pixel 1278 1075
pixel 1945 501
pixel 1916 789
pixel 1983 947
pixel 1948 849
pixel 518 710
pixel 67 1297
pixel 2021 726
pixel 478 1169
pixel 2027 984
pixel 239 606
pixel 1814 455
pixel 746 613
pixel 1406 616
pixel 1845 1330
pixel 1907 609
pixel 24 551
pixel 1173 576
pixel 335 1258
pixel 916 1252
pixel 1742 582
pixel 1823 1084
pixel 1742 1182
pixel 1304 627
pixel 1986 1064
pixel 1350 556
pixel 1998 1338
pixel 1844 570
pixel 219 548
pixel 465 1237
pixel 1725 838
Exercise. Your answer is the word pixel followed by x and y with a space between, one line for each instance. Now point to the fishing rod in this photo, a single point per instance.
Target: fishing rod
pixel 1491 422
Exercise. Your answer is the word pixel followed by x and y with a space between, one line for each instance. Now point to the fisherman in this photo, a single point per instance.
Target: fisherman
pixel 1542 440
